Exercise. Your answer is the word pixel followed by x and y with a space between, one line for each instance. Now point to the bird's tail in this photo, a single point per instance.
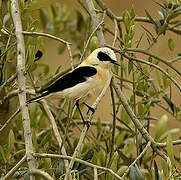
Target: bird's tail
pixel 37 98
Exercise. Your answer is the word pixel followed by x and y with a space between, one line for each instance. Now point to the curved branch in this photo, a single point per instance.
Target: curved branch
pixel 39 172
pixel 77 160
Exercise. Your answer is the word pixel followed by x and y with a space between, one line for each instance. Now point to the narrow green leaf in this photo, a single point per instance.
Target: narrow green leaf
pixel 11 141
pixel 169 148
pixel 33 26
pixel 171 44
pixel 115 160
pixel 44 18
pixel 2 153
pixel 161 125
pixel 164 135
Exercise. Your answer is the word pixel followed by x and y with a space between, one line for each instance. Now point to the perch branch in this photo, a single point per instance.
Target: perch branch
pixel 21 84
pixel 84 131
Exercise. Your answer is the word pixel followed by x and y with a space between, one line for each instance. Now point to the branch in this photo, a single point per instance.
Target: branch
pixel 112 16
pixel 154 56
pixel 97 27
pixel 39 172
pixel 6 83
pixel 55 38
pixel 135 120
pixel 46 35
pixel 55 129
pixel 134 162
pixel 14 169
pixel 95 22
pixel 84 131
pixel 148 63
pixel 77 160
pixel 21 84
pixel 9 120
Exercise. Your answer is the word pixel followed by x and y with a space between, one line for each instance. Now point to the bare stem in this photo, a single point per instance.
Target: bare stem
pixel 55 129
pixel 14 169
pixel 21 84
pixel 95 21
pixel 39 172
pixel 134 162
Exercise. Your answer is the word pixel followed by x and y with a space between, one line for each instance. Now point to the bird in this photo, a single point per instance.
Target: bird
pixel 87 78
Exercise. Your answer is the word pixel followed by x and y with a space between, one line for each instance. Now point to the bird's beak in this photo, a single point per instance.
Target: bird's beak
pixel 115 62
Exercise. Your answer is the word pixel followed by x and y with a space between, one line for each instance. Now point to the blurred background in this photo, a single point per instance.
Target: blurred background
pixel 54 59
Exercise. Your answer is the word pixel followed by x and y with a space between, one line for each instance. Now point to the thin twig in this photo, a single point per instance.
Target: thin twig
pixel 10 119
pixel 82 4
pixel 95 174
pixel 46 35
pixel 14 169
pixel 113 126
pixel 77 160
pixel 97 27
pixel 154 56
pixel 95 22
pixel 70 55
pixel 39 172
pixel 7 82
pixel 175 59
pixel 55 129
pixel 115 32
pixel 21 84
pixel 135 120
pixel 134 162
pixel 55 38
pixel 112 16
pixel 148 63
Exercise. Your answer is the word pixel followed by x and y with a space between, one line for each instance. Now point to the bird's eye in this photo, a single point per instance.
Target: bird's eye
pixel 103 56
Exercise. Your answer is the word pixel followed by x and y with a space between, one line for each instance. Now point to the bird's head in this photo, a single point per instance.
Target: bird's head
pixel 104 57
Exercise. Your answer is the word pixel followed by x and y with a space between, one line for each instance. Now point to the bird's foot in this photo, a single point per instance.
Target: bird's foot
pixel 87 123
pixel 89 108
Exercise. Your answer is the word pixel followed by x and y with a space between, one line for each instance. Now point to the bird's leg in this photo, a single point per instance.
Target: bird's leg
pixel 85 122
pixel 89 108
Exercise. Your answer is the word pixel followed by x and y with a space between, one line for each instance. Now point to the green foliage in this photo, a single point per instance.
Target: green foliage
pixel 146 88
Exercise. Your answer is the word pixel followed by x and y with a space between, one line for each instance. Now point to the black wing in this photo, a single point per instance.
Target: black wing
pixel 71 79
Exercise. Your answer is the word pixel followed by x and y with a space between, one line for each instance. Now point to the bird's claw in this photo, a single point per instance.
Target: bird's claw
pixel 87 123
pixel 91 109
